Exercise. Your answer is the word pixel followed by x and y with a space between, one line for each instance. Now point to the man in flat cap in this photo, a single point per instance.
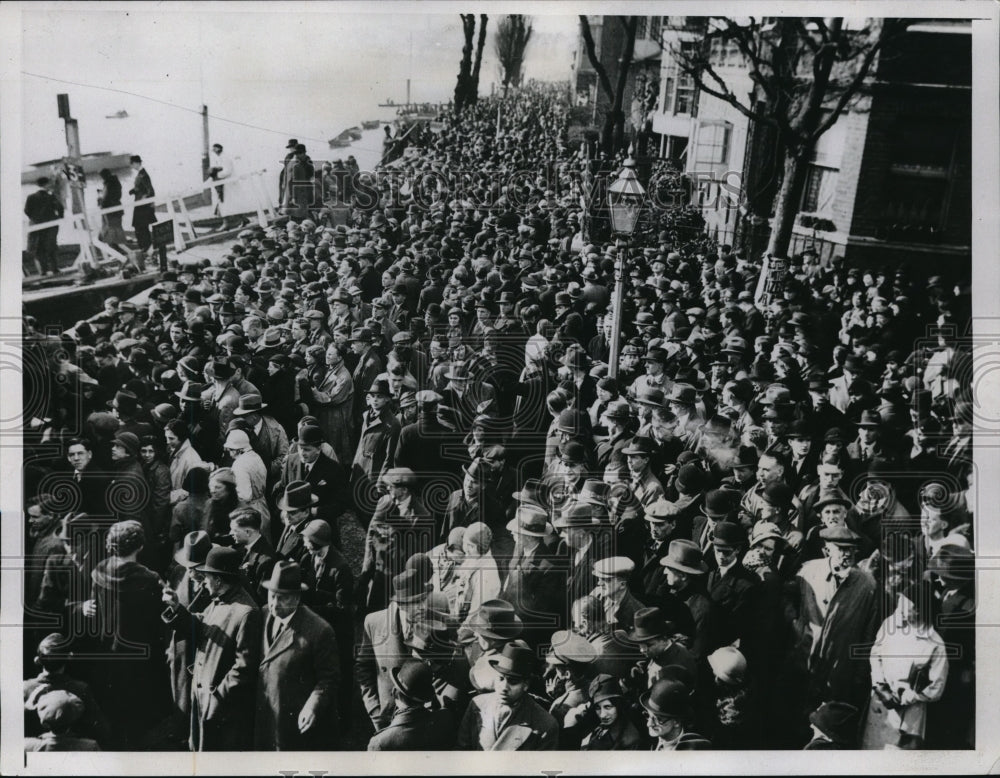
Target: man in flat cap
pixel 838 614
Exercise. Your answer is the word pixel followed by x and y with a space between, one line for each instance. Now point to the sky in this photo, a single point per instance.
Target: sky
pixel 287 70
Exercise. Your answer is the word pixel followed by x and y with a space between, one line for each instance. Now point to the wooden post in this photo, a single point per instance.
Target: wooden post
pixel 205 161
pixel 77 180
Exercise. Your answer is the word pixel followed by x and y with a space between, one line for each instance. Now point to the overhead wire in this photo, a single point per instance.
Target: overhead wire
pixel 189 110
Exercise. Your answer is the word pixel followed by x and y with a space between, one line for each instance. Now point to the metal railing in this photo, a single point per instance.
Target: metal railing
pixel 252 184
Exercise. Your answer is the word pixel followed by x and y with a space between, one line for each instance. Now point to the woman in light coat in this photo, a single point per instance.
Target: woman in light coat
pixel 476 579
pixel 250 474
pixel 909 670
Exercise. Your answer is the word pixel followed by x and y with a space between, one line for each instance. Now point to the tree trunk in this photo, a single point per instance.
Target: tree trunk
pixel 787 206
pixel 465 65
pixel 473 92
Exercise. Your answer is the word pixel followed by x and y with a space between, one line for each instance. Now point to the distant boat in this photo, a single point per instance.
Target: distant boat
pixel 371 124
pixel 122 114
pixel 354 133
pixel 339 142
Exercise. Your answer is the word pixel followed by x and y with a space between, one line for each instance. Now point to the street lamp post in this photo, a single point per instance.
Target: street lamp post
pixel 625 198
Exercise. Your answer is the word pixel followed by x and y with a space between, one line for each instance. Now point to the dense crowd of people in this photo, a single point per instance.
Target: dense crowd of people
pixel 756 531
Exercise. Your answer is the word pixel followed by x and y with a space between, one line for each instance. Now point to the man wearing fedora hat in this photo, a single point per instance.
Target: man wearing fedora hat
pixel 368 364
pixel 645 486
pixel 383 643
pixel 299 671
pixel 615 418
pixel 585 533
pixel 188 585
pixel 376 449
pixel 534 585
pixel 729 584
pixel 509 719
pixel 492 625
pixel 267 437
pixel 417 724
pixel 221 399
pixel 227 642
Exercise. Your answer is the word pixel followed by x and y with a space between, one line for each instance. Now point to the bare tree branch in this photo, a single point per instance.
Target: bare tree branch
pixel 595 63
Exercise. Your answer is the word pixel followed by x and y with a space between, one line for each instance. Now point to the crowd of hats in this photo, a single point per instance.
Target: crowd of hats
pixel 694 346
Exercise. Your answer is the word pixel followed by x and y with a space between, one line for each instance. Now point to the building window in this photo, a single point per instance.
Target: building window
pixel 713 143
pixel 920 171
pixel 725 53
pixel 654 28
pixel 821 189
pixel 678 86
pixel 668 95
pixel 642 25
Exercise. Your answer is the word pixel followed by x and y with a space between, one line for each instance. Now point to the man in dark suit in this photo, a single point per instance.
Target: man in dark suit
pixel 729 583
pixel 296 505
pixel 326 478
pixel 509 719
pixel 585 540
pixel 535 586
pixel 299 672
pixel 422 444
pixel 414 726
pixel 620 604
pixel 90 484
pixel 464 396
pixel 259 555
pixel 383 644
pixel 142 215
pixel 369 366
pixel 42 206
pixel 227 654
pixel 331 590
pixel 376 449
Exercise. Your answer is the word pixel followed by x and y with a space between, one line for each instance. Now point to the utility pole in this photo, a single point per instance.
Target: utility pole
pixel 205 162
pixel 77 180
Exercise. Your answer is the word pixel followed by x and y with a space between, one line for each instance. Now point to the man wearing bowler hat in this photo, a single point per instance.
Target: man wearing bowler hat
pixel 509 719
pixel 308 461
pixel 299 671
pixel 417 724
pixel 660 643
pixel 296 506
pixel 383 643
pixel 834 727
pixel 226 636
pixel 729 583
pixel 669 715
